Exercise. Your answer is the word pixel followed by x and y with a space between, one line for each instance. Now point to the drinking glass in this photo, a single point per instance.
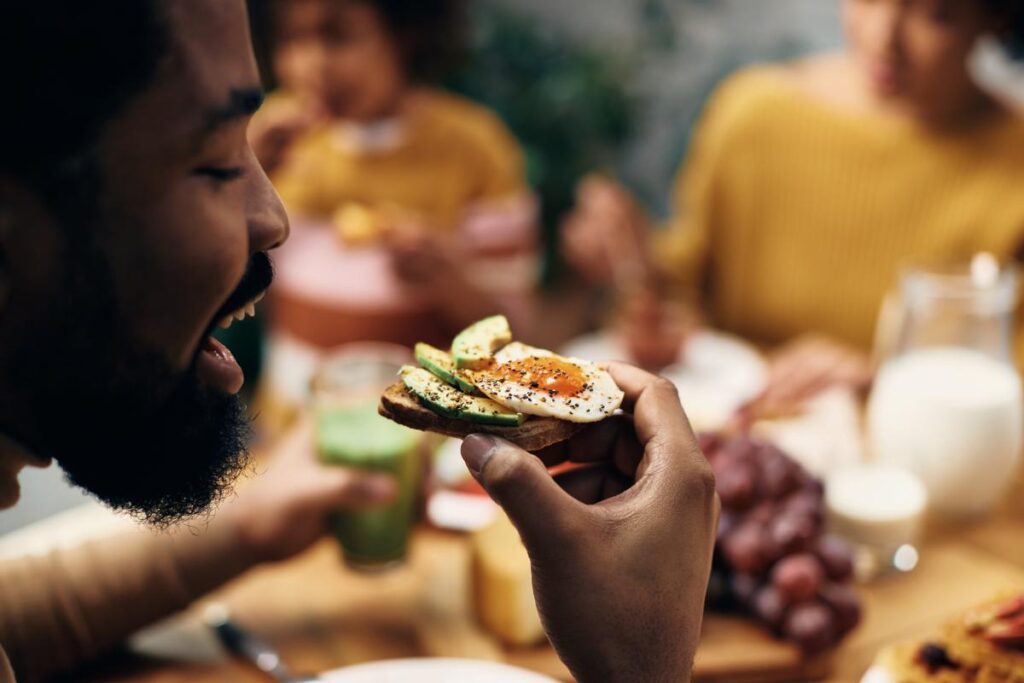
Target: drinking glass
pixel 350 433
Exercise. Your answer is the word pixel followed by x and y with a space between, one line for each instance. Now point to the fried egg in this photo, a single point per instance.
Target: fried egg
pixel 538 382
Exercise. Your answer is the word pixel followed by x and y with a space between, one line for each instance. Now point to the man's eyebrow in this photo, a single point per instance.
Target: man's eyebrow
pixel 241 103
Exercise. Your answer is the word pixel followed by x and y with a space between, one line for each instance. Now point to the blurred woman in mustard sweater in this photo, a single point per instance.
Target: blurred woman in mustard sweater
pixel 809 184
pixel 361 145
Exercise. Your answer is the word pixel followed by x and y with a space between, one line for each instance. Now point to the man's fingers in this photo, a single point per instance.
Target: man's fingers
pixel 592 484
pixel 672 467
pixel 654 403
pixel 612 441
pixel 521 485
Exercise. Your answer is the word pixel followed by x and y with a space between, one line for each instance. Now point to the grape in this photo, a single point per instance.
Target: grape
pixel 773 559
pixel 709 443
pixel 844 603
pixel 836 557
pixel 742 549
pixel 743 586
pixel 763 512
pixel 741 449
pixel 779 476
pixel 807 504
pixel 798 577
pixel 771 550
pixel 792 532
pixel 736 486
pixel 727 522
pixel 814 487
pixel 769 605
pixel 810 625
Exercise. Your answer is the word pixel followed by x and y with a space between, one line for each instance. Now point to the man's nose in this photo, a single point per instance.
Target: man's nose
pixel 267 219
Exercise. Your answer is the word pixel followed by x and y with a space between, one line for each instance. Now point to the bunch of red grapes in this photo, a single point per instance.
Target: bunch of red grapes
pixel 773 559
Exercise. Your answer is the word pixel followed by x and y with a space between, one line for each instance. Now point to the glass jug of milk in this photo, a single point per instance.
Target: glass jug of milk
pixel 947 404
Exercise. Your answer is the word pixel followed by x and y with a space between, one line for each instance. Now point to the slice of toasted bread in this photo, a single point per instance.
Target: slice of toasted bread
pixel 536 434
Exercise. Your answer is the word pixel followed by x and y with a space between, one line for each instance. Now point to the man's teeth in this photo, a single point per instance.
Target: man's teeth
pixel 246 310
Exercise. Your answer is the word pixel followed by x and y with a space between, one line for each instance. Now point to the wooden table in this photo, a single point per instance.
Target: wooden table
pixel 321 616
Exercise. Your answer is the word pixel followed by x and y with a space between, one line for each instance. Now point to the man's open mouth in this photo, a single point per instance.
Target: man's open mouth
pixel 249 292
pixel 215 363
pixel 247 310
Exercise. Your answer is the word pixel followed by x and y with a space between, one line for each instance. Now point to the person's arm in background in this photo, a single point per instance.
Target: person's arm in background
pixel 491 262
pixel 610 239
pixel 621 548
pixel 62 609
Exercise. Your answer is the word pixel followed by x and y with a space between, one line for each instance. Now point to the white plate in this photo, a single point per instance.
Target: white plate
pixel 434 671
pixel 719 372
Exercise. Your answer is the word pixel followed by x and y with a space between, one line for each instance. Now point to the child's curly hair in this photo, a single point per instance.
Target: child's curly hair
pixel 431 33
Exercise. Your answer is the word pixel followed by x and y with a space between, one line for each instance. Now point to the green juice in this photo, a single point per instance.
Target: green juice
pixel 357 437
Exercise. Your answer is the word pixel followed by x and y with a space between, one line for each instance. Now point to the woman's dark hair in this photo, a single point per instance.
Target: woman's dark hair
pixel 1011 12
pixel 69 68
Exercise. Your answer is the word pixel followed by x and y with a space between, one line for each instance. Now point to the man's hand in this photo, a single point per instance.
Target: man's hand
pixel 621 547
pixel 284 509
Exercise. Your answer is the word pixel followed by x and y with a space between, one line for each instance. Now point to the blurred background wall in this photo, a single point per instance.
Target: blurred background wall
pixel 674 52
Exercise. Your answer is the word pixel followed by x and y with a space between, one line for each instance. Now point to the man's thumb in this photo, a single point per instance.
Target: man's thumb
pixel 521 485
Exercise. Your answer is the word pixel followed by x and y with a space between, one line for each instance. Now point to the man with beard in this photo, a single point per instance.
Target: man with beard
pixel 134 218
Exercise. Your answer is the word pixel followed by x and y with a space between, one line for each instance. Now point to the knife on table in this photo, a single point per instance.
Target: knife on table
pixel 249 647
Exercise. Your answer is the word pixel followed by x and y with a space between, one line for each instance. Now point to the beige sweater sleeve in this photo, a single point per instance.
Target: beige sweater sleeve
pixel 62 609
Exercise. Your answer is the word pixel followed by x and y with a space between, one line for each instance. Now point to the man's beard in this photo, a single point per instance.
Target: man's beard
pixel 120 420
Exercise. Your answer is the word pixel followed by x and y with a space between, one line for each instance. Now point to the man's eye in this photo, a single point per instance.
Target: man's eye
pixel 221 174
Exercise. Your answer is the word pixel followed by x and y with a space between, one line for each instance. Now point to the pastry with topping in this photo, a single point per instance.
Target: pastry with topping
pixel 985 645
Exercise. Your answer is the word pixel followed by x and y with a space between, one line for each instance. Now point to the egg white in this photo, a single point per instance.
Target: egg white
pixel 514 351
pixel 599 398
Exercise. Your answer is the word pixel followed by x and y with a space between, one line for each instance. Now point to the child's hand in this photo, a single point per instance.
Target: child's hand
pixel 435 268
pixel 274 129
pixel 426 263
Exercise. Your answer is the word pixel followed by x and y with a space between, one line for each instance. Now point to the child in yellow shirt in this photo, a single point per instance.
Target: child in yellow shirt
pixel 359 140
pixel 809 185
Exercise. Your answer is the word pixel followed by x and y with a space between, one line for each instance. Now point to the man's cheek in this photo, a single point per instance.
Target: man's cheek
pixel 196 260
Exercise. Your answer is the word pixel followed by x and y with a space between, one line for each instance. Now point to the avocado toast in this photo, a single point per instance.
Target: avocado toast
pixel 489 384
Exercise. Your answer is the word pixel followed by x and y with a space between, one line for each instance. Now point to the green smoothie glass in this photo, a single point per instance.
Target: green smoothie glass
pixel 350 433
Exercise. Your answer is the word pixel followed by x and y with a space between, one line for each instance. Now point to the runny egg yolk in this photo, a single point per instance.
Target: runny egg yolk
pixel 553 376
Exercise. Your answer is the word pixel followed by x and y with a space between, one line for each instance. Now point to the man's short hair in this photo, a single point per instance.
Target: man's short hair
pixel 70 66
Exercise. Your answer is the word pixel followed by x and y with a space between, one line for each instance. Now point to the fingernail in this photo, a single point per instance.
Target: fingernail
pixel 477 449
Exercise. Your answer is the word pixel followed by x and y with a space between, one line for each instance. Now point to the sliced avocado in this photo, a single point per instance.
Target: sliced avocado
pixel 473 347
pixel 441 364
pixel 446 400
